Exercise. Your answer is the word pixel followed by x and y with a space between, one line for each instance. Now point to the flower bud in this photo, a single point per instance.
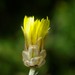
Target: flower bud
pixel 34 31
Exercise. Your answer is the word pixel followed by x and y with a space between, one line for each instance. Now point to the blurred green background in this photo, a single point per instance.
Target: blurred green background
pixel 59 44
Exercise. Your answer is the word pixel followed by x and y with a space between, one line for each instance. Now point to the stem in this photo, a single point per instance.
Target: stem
pixel 32 71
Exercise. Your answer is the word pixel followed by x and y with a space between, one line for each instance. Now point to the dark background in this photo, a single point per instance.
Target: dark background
pixel 59 44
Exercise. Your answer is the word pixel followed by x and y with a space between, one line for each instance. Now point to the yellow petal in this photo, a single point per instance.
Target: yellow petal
pixel 33 30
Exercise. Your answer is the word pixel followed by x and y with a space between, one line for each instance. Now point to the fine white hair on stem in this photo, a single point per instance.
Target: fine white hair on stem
pixel 32 71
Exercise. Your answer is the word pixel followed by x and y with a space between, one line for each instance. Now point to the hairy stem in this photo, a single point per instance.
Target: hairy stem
pixel 32 71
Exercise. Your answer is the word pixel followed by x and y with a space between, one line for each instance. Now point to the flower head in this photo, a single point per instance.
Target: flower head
pixel 34 32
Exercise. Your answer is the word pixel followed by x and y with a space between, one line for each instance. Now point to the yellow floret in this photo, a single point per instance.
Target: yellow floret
pixel 34 30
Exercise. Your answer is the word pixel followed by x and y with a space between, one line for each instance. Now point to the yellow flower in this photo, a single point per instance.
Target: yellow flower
pixel 34 32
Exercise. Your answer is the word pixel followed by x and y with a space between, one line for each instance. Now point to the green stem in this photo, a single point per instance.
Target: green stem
pixel 32 71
